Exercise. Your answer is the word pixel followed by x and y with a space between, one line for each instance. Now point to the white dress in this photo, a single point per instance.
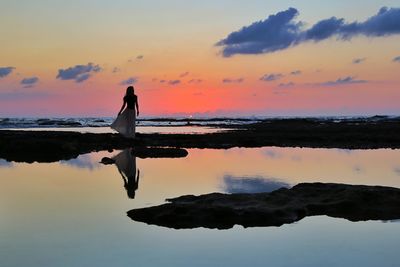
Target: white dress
pixel 125 123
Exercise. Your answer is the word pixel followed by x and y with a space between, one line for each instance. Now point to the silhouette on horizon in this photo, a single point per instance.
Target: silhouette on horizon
pixel 125 123
pixel 126 164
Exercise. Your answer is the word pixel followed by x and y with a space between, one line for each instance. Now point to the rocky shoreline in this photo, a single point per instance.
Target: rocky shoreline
pixel 49 146
pixel 283 206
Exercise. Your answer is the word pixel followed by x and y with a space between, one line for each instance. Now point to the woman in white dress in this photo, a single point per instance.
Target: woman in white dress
pixel 125 123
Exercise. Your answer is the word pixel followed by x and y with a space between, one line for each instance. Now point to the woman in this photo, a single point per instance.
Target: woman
pixel 125 123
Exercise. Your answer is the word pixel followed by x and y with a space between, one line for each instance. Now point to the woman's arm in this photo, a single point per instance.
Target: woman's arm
pixel 137 106
pixel 122 108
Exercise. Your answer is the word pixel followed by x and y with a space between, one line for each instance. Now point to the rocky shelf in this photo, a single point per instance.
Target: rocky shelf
pixel 283 206
pixel 49 146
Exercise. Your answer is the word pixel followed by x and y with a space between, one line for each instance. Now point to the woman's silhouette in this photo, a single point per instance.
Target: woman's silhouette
pixel 125 123
pixel 126 164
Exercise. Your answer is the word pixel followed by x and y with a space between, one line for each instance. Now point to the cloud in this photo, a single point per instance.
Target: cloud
pixel 5 71
pixel 396 59
pixel 116 69
pixel 29 82
pixel 195 81
pixel 174 82
pixel 342 81
pixel 129 81
pixel 295 72
pixel 184 74
pixel 83 77
pixel 78 73
pixel 286 85
pixel 281 31
pixel 271 77
pixel 359 60
pixel 228 80
pixel 139 57
pixel 235 185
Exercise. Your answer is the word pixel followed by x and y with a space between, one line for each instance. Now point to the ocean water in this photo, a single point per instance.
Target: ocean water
pixel 73 213
pixel 9 123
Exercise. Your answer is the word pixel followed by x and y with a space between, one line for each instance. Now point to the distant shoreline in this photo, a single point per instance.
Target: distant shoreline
pixel 50 146
pixel 60 122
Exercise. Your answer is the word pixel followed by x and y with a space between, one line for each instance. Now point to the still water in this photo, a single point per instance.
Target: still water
pixel 73 213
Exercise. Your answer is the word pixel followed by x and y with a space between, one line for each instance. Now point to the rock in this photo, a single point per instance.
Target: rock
pixel 49 146
pixel 283 206
pixel 159 152
pixel 107 161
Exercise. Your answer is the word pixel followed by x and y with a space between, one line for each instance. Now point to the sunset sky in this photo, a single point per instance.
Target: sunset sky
pixel 302 58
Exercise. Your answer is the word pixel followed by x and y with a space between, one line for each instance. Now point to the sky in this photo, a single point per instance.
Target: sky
pixel 200 58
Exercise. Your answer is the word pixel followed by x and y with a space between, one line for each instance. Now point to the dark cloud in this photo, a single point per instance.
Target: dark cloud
pixel 277 32
pixel 184 74
pixel 323 29
pixel 396 59
pixel 195 81
pixel 271 77
pixel 78 73
pixel 116 69
pixel 174 82
pixel 280 31
pixel 295 72
pixel 5 71
pixel 235 185
pixel 229 80
pixel 342 81
pixel 359 60
pixel 29 82
pixel 129 81
pixel 139 57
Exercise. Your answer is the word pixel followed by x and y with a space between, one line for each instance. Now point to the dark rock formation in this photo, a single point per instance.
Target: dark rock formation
pixel 30 146
pixel 107 161
pixel 152 152
pixel 283 206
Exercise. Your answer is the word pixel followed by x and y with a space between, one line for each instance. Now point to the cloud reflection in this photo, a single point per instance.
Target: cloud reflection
pixel 257 184
pixel 81 162
pixel 5 164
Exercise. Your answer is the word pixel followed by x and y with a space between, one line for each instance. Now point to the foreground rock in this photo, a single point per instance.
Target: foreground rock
pixel 283 206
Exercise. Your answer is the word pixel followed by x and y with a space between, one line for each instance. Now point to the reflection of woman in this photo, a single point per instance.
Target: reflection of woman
pixel 126 164
pixel 125 123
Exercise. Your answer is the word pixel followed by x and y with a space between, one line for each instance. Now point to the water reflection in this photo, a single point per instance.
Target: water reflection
pixel 84 161
pixel 233 185
pixel 126 164
pixel 5 164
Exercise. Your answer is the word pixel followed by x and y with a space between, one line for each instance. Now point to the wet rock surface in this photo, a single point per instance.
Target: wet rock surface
pixel 48 146
pixel 283 206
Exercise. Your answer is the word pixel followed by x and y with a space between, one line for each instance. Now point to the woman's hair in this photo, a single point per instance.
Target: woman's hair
pixel 130 91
